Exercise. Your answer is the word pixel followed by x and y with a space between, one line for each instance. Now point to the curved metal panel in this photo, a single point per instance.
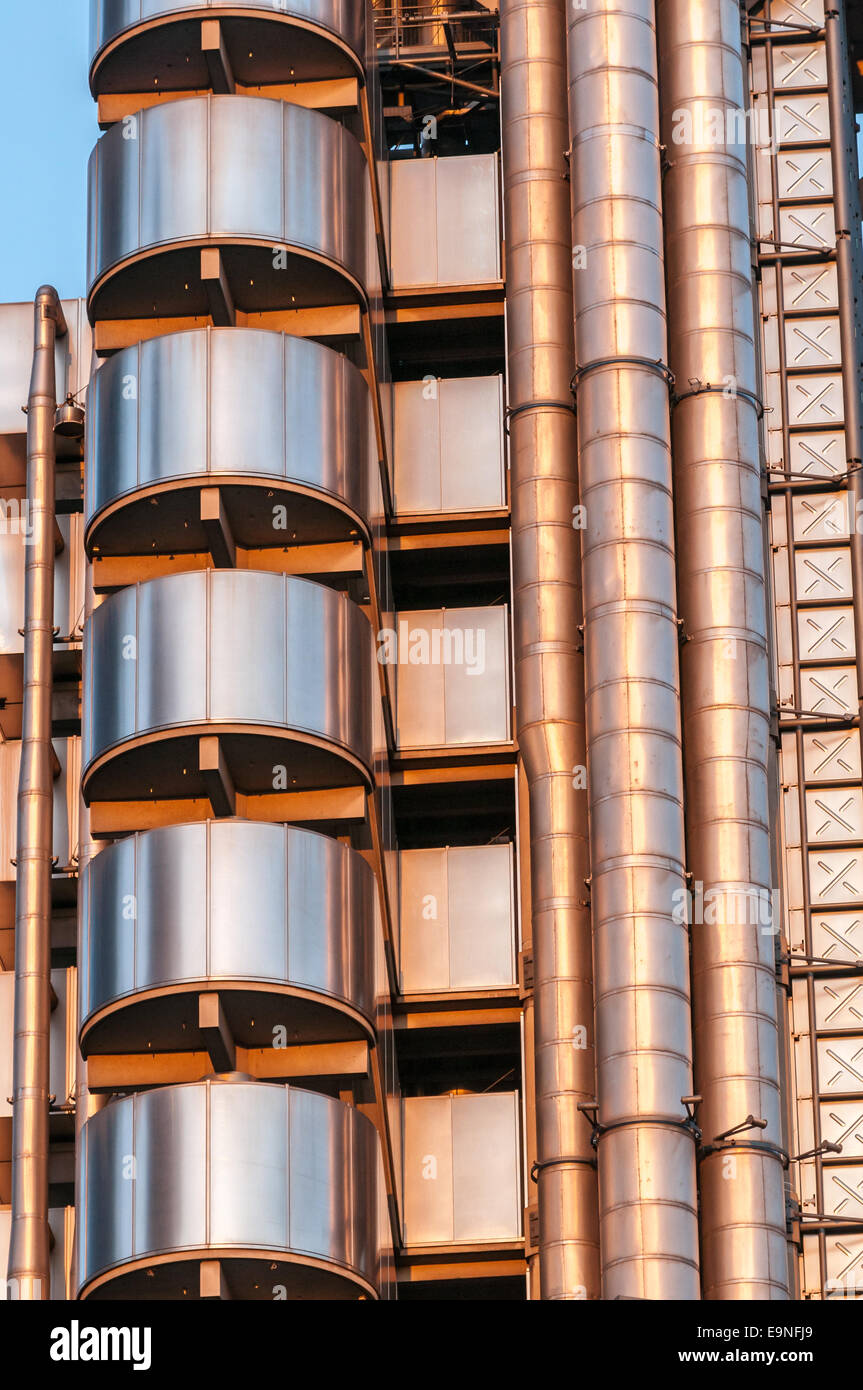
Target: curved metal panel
pixel 261 415
pixel 248 174
pixel 223 905
pixel 312 1200
pixel 279 667
pixel 132 41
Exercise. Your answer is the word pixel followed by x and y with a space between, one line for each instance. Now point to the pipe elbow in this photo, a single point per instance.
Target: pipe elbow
pixel 47 304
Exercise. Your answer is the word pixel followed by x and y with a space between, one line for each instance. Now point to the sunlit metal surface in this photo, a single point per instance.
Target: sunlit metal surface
pixel 724 663
pixel 225 905
pixel 456 203
pixel 279 1183
pixel 647 1182
pixel 457 918
pixel 279 667
pixel 452 677
pixel 282 425
pixel 29 1256
pixel 547 614
pixel 461 1169
pixel 247 174
pixel 135 42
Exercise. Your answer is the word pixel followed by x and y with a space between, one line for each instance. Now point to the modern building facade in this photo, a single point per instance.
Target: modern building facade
pixel 431 662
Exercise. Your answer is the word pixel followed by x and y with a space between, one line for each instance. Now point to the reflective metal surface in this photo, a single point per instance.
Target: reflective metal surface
pixel 439 427
pixel 254 1174
pixel 647 1187
pixel 461 1169
pixel 282 425
pixel 134 41
pixel 724 661
pixel 29 1255
pixel 547 614
pixel 456 203
pixel 280 667
pixel 224 905
pixel 247 174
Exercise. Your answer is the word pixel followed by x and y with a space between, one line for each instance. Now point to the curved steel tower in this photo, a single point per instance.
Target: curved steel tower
pixel 220 686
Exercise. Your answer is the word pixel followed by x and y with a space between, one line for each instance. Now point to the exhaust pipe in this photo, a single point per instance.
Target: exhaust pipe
pixel 645 1137
pixel 29 1269
pixel 547 617
pixel 724 661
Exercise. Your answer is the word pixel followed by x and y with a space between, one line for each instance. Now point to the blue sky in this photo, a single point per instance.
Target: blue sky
pixel 48 127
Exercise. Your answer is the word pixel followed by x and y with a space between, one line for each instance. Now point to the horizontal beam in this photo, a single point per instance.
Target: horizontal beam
pixel 421 1272
pixel 337 94
pixel 404 775
pixel 329 322
pixel 118 1071
pixel 341 558
pixel 448 540
pixel 457 1018
pixel 331 804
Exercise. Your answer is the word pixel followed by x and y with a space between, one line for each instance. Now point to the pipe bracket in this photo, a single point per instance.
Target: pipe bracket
pixel 660 368
pixel 513 410
pixel 564 1160
pixel 731 393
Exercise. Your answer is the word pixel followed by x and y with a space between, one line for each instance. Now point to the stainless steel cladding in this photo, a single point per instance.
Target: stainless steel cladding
pixel 281 665
pixel 547 612
pixel 230 905
pixel 280 1184
pixel 247 174
pixel 646 1150
pixel 320 37
pixel 726 696
pixel 282 425
pixel 29 1254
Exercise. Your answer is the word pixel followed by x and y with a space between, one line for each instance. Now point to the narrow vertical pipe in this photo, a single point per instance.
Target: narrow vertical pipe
pixel 846 201
pixel 725 677
pixel 547 617
pixel 29 1270
pixel 646 1147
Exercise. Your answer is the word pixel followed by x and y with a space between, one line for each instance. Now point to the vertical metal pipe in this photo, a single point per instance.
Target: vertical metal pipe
pixel 29 1243
pixel 547 616
pixel 646 1148
pixel 725 678
pixel 846 201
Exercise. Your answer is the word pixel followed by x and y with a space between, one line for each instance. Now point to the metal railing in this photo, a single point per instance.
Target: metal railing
pixel 411 24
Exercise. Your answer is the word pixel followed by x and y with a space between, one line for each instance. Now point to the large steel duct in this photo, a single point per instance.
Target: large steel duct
pixel 29 1271
pixel 724 662
pixel 547 616
pixel 646 1143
